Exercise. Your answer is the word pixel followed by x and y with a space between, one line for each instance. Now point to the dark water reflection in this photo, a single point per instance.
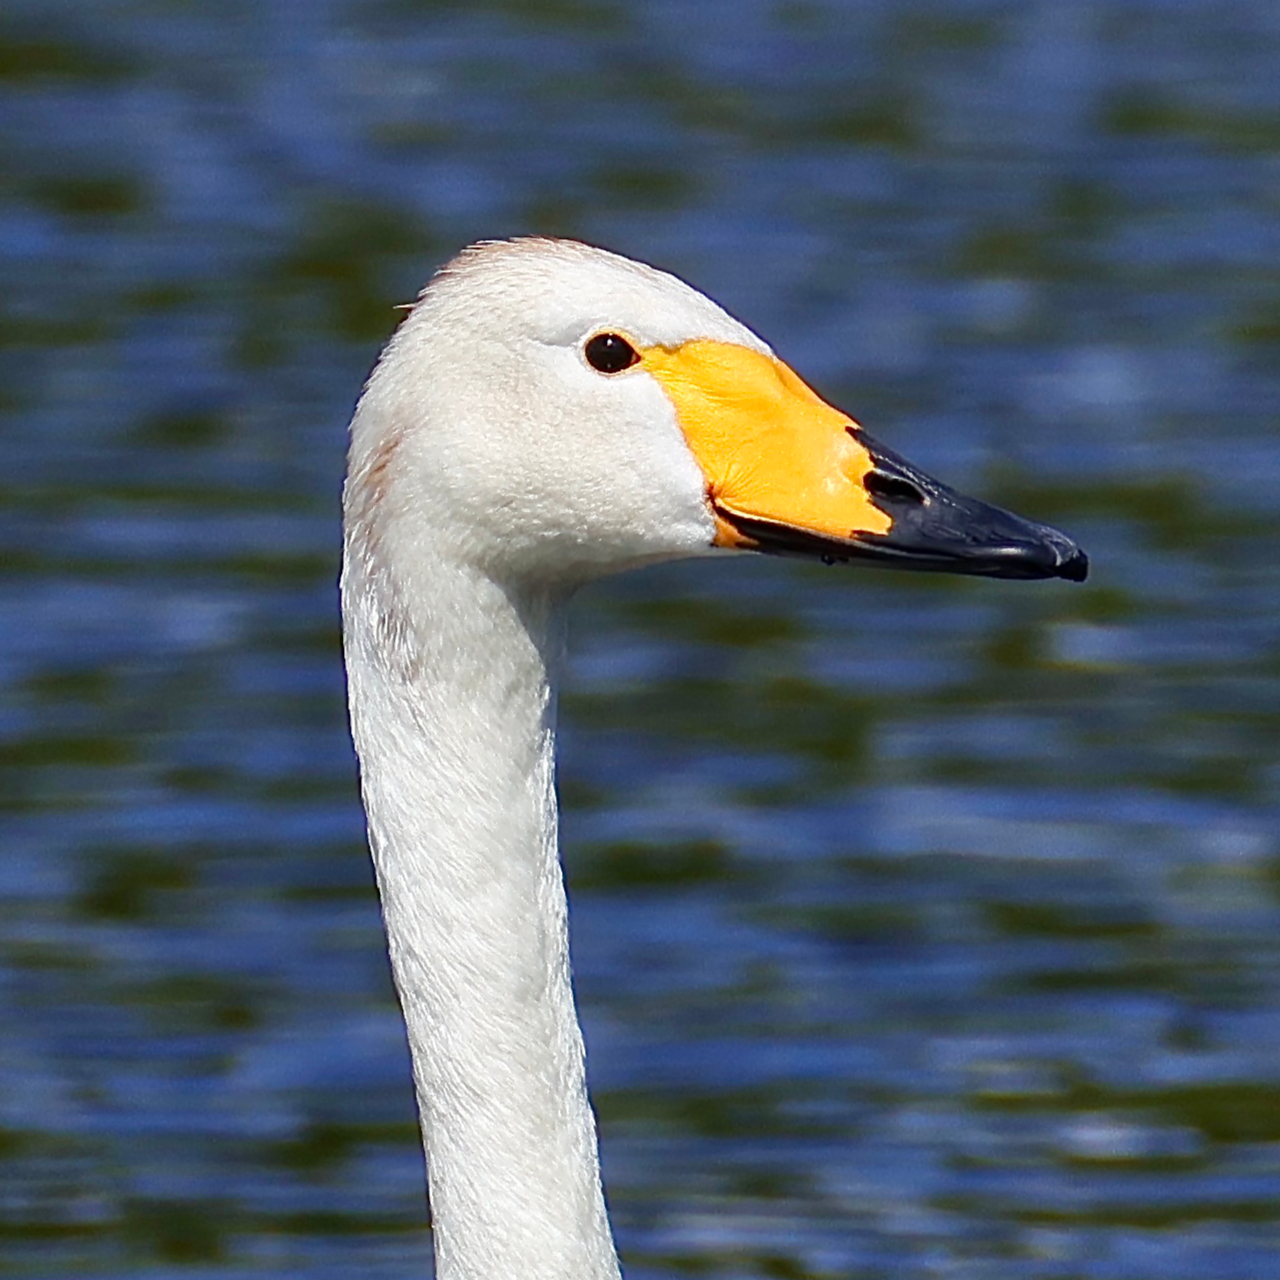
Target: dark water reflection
pixel 923 928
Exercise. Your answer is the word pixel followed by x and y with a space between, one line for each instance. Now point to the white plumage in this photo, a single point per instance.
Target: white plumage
pixel 493 470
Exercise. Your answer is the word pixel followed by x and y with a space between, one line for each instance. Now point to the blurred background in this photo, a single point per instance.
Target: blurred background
pixel 923 928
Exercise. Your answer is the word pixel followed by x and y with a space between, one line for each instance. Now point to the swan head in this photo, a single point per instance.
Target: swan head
pixel 553 411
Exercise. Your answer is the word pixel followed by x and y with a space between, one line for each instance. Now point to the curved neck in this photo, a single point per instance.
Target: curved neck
pixel 454 725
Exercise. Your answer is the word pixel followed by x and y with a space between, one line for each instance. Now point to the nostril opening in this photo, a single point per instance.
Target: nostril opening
pixel 891 488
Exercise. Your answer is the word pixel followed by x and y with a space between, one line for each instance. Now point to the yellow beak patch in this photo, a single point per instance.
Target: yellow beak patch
pixel 770 447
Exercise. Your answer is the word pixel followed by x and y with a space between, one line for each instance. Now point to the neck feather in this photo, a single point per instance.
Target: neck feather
pixel 453 714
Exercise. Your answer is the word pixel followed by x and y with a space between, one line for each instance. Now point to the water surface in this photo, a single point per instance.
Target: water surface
pixel 922 928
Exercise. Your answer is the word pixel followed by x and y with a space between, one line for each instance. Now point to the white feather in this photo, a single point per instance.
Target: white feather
pixel 491 471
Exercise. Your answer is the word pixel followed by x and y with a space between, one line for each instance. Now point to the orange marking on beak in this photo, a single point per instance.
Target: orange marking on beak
pixel 770 447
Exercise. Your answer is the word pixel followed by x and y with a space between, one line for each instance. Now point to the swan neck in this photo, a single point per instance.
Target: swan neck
pixel 455 729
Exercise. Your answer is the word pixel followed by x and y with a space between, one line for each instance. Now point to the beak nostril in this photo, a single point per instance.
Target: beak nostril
pixel 892 488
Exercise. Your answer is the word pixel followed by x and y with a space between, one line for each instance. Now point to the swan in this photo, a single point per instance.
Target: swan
pixel 548 412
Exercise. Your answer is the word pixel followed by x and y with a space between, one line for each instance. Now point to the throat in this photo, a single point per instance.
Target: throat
pixel 457 749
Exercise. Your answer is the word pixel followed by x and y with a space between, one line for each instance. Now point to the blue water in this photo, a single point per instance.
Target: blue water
pixel 923 928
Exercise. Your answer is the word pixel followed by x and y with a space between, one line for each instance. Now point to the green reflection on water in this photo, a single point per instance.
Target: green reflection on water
pixel 1157 113
pixel 30 58
pixel 132 883
pixel 632 865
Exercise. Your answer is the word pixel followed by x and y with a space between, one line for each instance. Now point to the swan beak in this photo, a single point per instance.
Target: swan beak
pixel 789 474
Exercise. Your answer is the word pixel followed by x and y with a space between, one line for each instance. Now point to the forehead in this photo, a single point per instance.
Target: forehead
pixel 558 291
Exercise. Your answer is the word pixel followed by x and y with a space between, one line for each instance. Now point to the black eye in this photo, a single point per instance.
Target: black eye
pixel 610 353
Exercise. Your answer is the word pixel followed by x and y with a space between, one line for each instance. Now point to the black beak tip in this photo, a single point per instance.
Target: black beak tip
pixel 936 528
pixel 1066 559
pixel 1073 565
pixel 1050 555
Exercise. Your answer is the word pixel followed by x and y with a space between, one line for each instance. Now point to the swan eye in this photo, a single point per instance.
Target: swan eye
pixel 610 353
